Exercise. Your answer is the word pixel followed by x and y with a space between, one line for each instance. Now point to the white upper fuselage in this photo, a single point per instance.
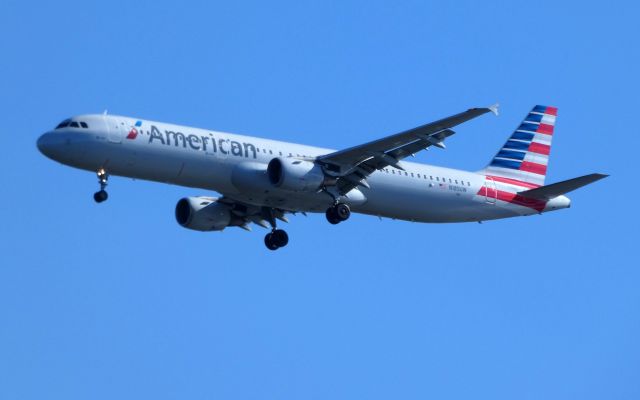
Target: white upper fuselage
pixel 234 165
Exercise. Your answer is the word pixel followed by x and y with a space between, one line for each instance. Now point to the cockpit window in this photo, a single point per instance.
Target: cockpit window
pixel 73 124
pixel 63 124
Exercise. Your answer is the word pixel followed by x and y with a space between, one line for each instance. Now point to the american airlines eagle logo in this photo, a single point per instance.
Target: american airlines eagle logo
pixel 133 133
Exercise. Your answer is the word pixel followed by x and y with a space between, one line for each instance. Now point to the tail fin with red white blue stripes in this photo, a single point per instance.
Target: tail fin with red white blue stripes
pixel 524 157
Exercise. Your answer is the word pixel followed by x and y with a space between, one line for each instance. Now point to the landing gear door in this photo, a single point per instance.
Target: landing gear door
pixel 491 191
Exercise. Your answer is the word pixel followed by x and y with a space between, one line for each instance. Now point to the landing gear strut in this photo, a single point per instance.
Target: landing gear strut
pixel 277 237
pixel 337 213
pixel 102 194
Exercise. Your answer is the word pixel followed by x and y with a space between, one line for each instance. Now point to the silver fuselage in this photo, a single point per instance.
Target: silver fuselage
pixel 218 161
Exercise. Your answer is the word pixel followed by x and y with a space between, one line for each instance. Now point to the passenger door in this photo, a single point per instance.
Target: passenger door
pixel 117 129
pixel 491 191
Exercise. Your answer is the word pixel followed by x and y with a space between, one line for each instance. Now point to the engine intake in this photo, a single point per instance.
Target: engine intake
pixel 202 214
pixel 295 175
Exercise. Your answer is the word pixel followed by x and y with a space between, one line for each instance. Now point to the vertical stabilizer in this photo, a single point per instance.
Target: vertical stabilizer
pixel 525 156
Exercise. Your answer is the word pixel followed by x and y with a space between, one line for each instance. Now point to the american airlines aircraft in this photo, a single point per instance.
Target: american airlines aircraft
pixel 261 180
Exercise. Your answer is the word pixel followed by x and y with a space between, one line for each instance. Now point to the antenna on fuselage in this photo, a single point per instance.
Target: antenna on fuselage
pixel 104 112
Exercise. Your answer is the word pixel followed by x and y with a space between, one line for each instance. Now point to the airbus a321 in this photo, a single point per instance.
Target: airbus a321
pixel 261 181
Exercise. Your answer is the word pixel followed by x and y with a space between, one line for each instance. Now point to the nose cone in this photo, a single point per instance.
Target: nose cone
pixel 50 144
pixel 44 144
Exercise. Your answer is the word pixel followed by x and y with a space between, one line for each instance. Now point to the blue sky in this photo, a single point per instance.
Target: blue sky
pixel 118 301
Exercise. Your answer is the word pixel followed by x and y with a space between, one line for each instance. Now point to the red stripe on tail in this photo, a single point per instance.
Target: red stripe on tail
pixel 539 148
pixel 545 128
pixel 533 167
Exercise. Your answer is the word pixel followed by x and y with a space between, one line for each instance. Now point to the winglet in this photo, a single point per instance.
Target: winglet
pixel 494 108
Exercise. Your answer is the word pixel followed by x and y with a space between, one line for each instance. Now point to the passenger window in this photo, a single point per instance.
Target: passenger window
pixel 431 177
pixel 280 153
pixel 438 179
pixel 456 181
pixel 418 175
pixel 84 124
pixel 393 171
pixel 412 174
pixel 450 180
pixel 468 183
pixel 270 151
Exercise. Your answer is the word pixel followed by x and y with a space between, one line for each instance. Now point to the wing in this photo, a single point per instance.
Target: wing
pixel 352 166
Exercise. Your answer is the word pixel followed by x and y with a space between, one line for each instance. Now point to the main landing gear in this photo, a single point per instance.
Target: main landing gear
pixel 102 194
pixel 337 213
pixel 277 237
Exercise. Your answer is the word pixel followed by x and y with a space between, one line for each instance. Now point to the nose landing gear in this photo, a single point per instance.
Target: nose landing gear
pixel 102 194
pixel 337 213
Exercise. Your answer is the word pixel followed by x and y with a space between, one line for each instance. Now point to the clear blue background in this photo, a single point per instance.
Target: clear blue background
pixel 118 301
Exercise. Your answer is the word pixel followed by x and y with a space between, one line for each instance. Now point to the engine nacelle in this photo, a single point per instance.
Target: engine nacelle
pixel 251 177
pixel 202 214
pixel 295 175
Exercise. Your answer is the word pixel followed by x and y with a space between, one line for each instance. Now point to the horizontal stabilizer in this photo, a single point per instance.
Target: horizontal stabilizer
pixel 557 189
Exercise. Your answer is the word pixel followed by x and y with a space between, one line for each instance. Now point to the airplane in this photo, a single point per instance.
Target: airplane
pixel 261 181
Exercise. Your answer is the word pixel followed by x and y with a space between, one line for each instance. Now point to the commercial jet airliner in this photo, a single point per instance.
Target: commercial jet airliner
pixel 260 181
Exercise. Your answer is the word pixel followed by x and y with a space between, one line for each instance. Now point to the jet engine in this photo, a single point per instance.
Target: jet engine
pixel 203 214
pixel 295 175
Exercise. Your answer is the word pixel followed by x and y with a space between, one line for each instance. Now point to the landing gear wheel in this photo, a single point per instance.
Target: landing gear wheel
pixel 280 237
pixel 100 196
pixel 276 239
pixel 342 211
pixel 338 213
pixel 269 242
pixel 331 216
